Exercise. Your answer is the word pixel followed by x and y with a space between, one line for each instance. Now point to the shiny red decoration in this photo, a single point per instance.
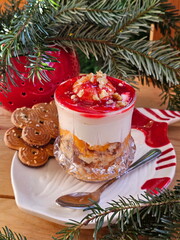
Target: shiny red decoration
pixel 26 92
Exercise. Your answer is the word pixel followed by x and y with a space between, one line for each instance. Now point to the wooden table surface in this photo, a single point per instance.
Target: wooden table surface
pixel 33 227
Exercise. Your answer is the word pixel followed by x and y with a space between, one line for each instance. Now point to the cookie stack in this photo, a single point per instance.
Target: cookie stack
pixel 33 133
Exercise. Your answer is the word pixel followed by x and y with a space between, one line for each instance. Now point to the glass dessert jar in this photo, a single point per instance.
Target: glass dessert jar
pixel 95 113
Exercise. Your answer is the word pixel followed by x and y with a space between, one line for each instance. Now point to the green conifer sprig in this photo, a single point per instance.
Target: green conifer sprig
pixel 172 96
pixel 169 24
pixel 115 32
pixel 151 216
pixel 154 216
pixel 8 234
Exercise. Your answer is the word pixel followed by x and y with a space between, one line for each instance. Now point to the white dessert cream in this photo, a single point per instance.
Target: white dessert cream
pixel 95 113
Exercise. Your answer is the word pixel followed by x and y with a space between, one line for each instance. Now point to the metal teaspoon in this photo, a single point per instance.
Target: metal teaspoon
pixel 85 199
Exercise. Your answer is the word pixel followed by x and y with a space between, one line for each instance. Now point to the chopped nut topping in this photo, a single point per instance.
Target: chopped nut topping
pixel 117 96
pixel 97 87
pixel 109 101
pixel 73 97
pixel 103 94
pixel 102 79
pixel 91 77
pixel 95 97
pixel 121 104
pixel 124 103
pixel 100 74
pixel 80 93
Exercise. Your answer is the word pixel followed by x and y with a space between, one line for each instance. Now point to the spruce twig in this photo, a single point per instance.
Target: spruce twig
pixel 114 32
pixel 7 234
pixel 170 31
pixel 156 216
pixel 153 216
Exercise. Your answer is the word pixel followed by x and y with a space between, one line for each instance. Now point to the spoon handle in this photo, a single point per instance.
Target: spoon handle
pixel 147 157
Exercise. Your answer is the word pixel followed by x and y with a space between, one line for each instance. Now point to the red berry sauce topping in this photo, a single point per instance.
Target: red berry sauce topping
pixel 95 94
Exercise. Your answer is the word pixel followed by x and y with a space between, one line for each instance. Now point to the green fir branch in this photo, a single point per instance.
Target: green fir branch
pixel 150 58
pixel 22 38
pixel 170 22
pixel 155 216
pixel 137 18
pixel 152 216
pixel 7 234
pixel 172 96
pixel 115 33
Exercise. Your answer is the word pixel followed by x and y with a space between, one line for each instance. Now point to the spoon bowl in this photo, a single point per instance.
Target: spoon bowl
pixel 86 199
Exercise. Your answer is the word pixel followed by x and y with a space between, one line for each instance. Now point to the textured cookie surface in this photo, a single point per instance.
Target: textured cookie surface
pixel 33 134
pixel 13 139
pixel 39 124
pixel 33 157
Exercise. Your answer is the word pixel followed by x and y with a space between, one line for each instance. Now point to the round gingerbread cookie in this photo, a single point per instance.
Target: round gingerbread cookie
pixel 46 110
pixel 52 128
pixel 23 117
pixel 33 157
pixel 36 136
pixel 50 149
pixel 12 138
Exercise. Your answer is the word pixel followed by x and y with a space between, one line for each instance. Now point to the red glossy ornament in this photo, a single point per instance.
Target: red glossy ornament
pixel 28 92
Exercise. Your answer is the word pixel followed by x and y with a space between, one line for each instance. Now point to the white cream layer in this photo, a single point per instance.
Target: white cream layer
pixel 96 131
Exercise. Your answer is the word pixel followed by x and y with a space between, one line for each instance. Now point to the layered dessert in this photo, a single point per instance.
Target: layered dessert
pixel 95 112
